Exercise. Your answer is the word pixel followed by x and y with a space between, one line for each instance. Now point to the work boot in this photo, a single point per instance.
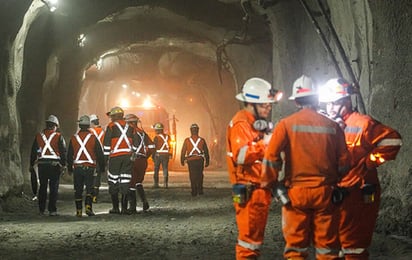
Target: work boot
pixel 124 205
pixel 132 200
pixel 78 203
pixel 142 196
pixel 89 210
pixel 155 182
pixel 115 203
pixel 95 193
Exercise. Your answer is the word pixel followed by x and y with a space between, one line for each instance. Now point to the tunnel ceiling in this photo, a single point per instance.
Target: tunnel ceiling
pixel 141 33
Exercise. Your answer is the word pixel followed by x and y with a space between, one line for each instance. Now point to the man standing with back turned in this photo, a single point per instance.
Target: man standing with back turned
pixel 315 159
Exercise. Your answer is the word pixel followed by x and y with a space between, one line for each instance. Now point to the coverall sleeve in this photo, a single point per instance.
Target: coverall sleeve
pixel 245 149
pixel 342 154
pixel 384 143
pixel 272 161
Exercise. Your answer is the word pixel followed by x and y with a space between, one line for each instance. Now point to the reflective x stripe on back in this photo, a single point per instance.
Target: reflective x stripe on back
pixel 165 146
pixel 141 144
pixel 99 136
pixel 83 150
pixel 195 148
pixel 47 147
pixel 123 135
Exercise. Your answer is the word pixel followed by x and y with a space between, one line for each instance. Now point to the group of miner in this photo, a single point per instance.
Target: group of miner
pixel 122 150
pixel 319 162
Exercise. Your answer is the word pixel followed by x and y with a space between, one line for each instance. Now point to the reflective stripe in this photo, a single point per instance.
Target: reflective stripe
pixel 165 146
pixel 99 136
pixel 248 245
pixel 47 147
pixel 355 251
pixel 83 150
pixel 230 154
pixel 296 249
pixel 195 148
pixel 353 129
pixel 141 149
pixel 106 150
pixel 118 178
pixel 390 142
pixel 122 137
pixel 242 155
pixel 327 251
pixel 314 129
pixel 272 164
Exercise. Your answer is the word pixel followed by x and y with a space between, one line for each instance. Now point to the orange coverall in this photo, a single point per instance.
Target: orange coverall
pixel 245 151
pixel 315 159
pixel 370 144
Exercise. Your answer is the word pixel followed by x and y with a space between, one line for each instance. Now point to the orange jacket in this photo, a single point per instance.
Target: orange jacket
pixel 244 148
pixel 118 139
pixel 315 150
pixel 370 144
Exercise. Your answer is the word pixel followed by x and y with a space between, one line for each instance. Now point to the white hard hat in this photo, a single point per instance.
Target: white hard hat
pixel 333 90
pixel 303 87
pixel 53 119
pixel 256 90
pixel 93 117
pixel 84 120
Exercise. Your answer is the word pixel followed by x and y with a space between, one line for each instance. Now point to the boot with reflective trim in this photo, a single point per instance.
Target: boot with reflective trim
pixel 78 203
pixel 115 203
pixel 88 205
pixel 132 200
pixel 142 196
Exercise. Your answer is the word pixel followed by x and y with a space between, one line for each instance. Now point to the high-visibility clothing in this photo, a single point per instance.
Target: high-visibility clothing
pixel 85 150
pixel 245 151
pixel 196 152
pixel 370 144
pixel 98 131
pixel 162 143
pixel 194 148
pixel 118 139
pixel 315 159
pixel 366 138
pixel 315 150
pixel 144 144
pixel 48 146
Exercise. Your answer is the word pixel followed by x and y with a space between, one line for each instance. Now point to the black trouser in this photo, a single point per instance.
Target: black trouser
pixel 196 175
pixel 83 176
pixel 49 175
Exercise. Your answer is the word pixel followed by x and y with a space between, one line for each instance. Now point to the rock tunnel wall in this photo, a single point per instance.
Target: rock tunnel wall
pixel 374 34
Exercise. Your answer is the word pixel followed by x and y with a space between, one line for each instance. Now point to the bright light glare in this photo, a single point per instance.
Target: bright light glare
pixel 81 40
pixel 124 86
pixel 99 64
pixel 278 96
pixel 147 103
pixel 124 102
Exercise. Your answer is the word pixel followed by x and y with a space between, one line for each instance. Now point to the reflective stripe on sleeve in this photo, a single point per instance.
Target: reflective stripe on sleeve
pixel 242 155
pixel 272 164
pixel 390 142
pixel 355 251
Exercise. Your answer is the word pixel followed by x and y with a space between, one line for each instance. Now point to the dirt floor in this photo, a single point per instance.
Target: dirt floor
pixel 177 226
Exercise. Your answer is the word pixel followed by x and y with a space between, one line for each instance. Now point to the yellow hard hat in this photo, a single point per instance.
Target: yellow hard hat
pixel 115 111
